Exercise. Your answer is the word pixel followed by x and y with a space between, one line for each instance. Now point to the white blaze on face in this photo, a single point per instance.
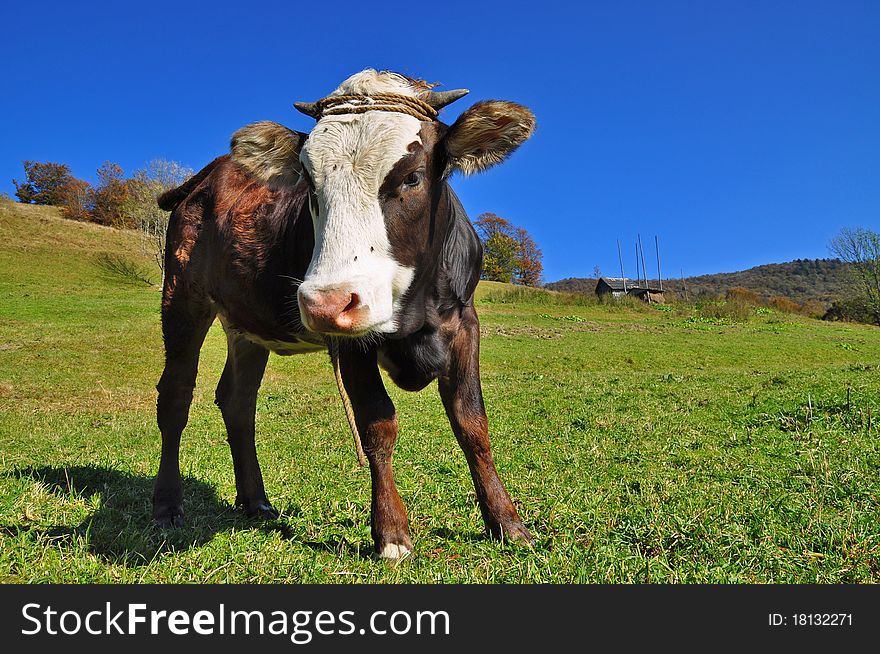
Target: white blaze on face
pixel 348 158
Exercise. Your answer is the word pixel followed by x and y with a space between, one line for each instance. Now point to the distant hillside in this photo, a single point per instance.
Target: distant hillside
pixel 801 280
pixel 574 285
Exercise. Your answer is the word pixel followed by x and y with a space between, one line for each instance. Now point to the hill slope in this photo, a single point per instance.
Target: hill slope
pixel 802 280
pixel 639 444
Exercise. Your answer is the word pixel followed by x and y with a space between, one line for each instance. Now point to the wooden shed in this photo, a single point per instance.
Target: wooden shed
pixel 617 287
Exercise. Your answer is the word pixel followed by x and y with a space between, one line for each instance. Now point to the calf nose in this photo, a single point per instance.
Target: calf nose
pixel 331 311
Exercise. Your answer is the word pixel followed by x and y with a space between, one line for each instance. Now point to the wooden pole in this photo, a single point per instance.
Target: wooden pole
pixel 622 274
pixel 659 276
pixel 638 275
pixel 644 269
pixel 642 254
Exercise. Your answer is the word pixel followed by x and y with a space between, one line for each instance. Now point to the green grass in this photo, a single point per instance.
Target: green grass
pixel 639 444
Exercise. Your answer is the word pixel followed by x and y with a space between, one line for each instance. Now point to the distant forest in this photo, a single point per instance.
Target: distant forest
pixel 802 280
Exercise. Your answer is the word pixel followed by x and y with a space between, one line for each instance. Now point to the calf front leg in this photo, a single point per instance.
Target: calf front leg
pixel 377 424
pixel 237 398
pixel 463 399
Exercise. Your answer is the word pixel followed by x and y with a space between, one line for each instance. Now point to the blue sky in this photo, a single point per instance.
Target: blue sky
pixel 739 132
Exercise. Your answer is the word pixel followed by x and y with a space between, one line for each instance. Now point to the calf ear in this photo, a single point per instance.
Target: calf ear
pixel 270 152
pixel 486 134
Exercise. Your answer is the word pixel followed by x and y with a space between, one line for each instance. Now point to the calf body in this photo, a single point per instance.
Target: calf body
pixel 351 232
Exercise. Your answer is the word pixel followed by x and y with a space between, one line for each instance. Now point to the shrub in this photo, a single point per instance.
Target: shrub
pixel 851 310
pixel 743 295
pixel 784 305
pixel 813 308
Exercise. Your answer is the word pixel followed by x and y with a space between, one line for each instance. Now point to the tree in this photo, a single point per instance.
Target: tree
pixel 489 224
pixel 860 248
pixel 140 205
pixel 529 267
pixel 499 247
pixel 499 258
pixel 110 196
pixel 77 200
pixel 44 183
pixel 509 252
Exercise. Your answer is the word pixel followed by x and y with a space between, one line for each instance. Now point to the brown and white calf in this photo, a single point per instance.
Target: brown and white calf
pixel 351 232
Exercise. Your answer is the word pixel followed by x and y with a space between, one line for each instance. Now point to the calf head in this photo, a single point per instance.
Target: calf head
pixel 376 164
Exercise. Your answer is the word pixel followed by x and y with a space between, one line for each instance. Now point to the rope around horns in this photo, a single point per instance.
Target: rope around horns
pixel 333 347
pixel 403 104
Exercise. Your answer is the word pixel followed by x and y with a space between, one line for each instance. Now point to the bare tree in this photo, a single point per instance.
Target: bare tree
pixel 145 186
pixel 860 248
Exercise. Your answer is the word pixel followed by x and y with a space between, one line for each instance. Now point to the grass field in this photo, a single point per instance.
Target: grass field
pixel 640 445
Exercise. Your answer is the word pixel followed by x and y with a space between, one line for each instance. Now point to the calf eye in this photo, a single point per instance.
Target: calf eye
pixel 412 180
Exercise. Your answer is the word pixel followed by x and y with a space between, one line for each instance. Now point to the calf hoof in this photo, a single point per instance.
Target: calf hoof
pixel 168 515
pixel 259 509
pixel 513 531
pixel 393 552
pixel 393 543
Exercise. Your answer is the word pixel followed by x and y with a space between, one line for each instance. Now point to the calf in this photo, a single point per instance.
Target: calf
pixel 349 235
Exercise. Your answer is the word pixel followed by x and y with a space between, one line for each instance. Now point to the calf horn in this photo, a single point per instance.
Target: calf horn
pixel 308 108
pixel 439 99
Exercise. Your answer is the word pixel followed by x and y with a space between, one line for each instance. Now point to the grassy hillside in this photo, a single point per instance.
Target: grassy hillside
pixel 639 444
pixel 803 280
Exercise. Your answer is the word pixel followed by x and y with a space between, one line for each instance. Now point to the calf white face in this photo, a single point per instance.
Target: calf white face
pixel 371 173
pixel 353 285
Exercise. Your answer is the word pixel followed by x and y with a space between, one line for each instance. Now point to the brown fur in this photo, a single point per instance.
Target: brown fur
pixel 240 203
pixel 463 400
pixel 377 422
